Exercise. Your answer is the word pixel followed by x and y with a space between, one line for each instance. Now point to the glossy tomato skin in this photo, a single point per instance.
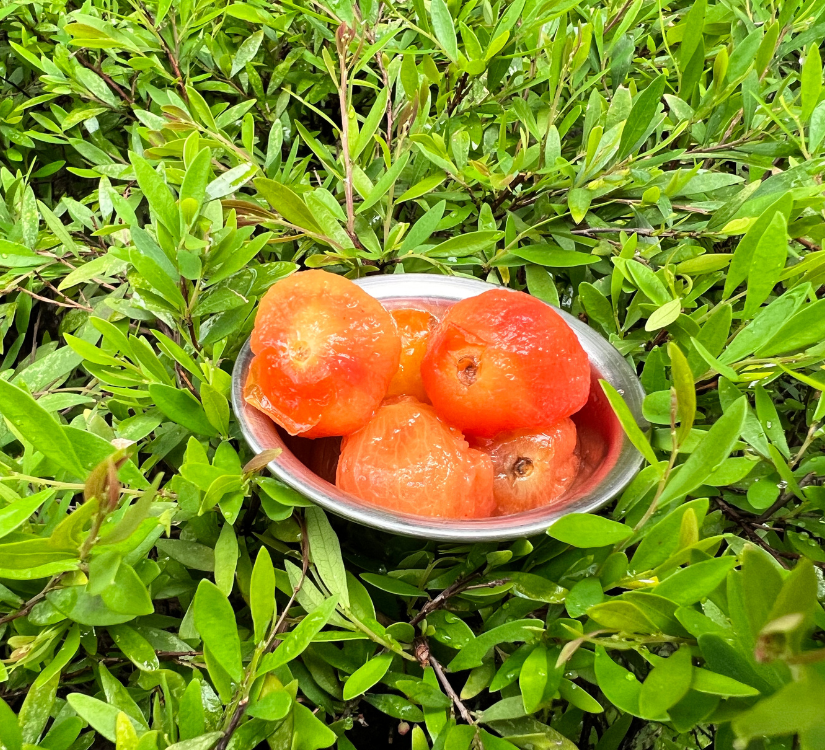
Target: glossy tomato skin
pixel 408 460
pixel 532 468
pixel 415 328
pixel 325 352
pixel 504 360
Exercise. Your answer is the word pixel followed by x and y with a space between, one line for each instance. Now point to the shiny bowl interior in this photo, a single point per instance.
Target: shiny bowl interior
pixel 609 461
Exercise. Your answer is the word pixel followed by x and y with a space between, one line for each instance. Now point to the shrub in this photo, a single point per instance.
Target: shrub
pixel 654 168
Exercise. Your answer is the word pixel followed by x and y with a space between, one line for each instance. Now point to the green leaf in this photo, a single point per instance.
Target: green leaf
pixel 188 554
pixel 664 316
pixel 714 448
pixel 14 255
pixel 541 285
pixel 622 615
pixel 424 694
pixel 642 114
pixel 586 593
pixel 182 407
pixel 127 595
pixel 288 204
pixel 383 185
pixel 585 530
pixel 102 716
pixel 157 194
pixel 796 708
pixel 422 188
pixel 226 559
pixel 683 385
pixel 134 647
pixel 371 123
pixel 662 540
pixel 272 707
pixel 648 283
pixel 597 307
pixel 694 24
pixel 742 261
pixel 810 82
pixel 533 679
pixel 38 427
pixel 215 408
pixel 537 588
pixel 805 327
pixel 460 737
pixel 628 422
pixel 262 593
pixel 712 362
pixel 246 52
pixel 16 513
pixel 38 703
pixel 10 734
pixel 513 632
pixel 718 684
pixel 154 274
pixel 667 683
pixel 769 258
pixel 465 244
pixel 553 256
pixel 148 247
pixel 310 733
pixel 325 552
pixel 578 201
pixel 769 418
pixel 695 582
pixel 619 685
pixel 395 706
pixel 444 28
pixel 363 678
pixel 215 622
pixel 230 181
pixel 195 180
pixel 450 629
pixel 423 228
pixel 206 741
pixel 298 639
pixel 57 228
pixel 392 585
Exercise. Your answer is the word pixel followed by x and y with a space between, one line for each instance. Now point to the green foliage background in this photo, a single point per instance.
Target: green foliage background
pixel 653 166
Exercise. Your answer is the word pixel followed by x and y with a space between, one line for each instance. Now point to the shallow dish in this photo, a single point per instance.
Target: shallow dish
pixel 609 461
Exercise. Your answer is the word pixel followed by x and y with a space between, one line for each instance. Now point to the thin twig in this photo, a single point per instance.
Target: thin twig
pixel 99 70
pixel 233 724
pixel 747 525
pixel 784 499
pixel 271 644
pixel 448 688
pixel 343 37
pixel 456 587
pixel 806 443
pixel 53 288
pixel 72 306
pixel 460 90
pixel 386 79
pixel 29 605
pixel 278 629
pixel 618 17
pixel 184 378
pixel 508 191
pixel 733 514
pixel 19 88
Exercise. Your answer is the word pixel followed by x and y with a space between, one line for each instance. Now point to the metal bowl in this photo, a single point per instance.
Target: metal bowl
pixel 609 461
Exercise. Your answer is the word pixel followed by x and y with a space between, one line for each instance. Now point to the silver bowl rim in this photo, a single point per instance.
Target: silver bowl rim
pixel 608 361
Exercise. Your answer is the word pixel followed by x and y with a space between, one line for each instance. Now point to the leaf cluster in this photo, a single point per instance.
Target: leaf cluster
pixel 651 166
